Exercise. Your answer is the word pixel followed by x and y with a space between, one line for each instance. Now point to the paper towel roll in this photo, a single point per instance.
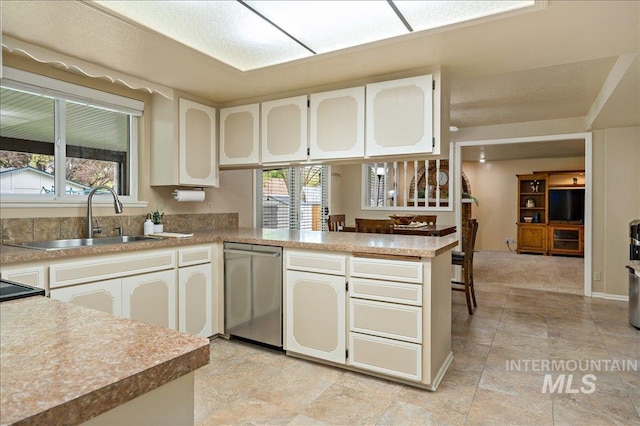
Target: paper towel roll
pixel 182 196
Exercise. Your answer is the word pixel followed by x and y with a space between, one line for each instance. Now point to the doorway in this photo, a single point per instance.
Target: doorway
pixel 542 144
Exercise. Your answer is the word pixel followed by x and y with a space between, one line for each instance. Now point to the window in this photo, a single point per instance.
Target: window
pixel 60 140
pixel 407 185
pixel 293 197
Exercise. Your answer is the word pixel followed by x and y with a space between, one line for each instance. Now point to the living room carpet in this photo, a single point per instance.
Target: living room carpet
pixel 561 274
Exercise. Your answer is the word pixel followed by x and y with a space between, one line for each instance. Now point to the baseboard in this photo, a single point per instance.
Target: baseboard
pixel 610 296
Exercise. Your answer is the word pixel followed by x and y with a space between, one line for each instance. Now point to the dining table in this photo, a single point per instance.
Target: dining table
pixel 424 230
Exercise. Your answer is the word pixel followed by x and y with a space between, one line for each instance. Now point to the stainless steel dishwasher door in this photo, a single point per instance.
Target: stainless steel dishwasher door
pixel 253 292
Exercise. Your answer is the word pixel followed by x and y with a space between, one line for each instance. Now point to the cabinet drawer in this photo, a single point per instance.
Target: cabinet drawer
pixel 386 320
pixel 106 267
pixel 194 256
pixel 333 264
pixel 386 291
pixel 386 356
pixel 386 269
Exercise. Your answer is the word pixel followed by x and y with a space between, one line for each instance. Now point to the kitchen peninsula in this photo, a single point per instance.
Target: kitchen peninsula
pixel 66 364
pixel 393 321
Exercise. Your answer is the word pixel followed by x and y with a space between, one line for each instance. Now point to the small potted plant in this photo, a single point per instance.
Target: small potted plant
pixel 156 218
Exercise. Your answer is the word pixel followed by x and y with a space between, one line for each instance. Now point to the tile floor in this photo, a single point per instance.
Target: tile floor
pixel 247 384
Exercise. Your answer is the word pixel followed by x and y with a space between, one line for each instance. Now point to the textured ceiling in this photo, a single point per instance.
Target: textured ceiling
pixel 545 65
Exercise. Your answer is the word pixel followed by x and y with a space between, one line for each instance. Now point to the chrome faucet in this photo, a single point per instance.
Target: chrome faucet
pixel 117 205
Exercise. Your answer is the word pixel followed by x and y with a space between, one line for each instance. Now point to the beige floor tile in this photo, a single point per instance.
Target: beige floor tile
pixel 605 405
pixel 347 406
pixel 538 317
pixel 622 347
pixel 536 347
pixel 511 382
pixel 468 355
pixel 524 329
pixel 244 410
pixel 476 335
pixel 497 408
pixel 618 328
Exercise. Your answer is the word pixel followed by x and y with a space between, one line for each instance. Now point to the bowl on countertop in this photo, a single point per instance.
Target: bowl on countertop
pixel 403 219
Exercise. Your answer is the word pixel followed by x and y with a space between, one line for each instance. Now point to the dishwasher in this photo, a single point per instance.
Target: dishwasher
pixel 253 292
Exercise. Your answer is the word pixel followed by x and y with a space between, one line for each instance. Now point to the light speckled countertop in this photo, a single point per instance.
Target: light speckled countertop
pixel 64 364
pixel 350 242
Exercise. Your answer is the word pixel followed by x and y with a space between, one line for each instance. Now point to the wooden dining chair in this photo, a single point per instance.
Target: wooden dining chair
pixel 336 222
pixel 465 259
pixel 375 226
pixel 430 219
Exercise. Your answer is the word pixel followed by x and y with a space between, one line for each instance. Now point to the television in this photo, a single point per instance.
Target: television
pixel 566 204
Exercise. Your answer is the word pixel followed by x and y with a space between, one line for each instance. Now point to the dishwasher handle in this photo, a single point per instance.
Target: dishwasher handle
pixel 252 253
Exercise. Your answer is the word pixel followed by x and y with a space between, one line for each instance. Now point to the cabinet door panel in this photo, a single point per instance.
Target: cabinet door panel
pixel 29 275
pixel 197 144
pixel 532 238
pixel 151 298
pixel 284 130
pixel 337 124
pixel 105 296
pixel 386 320
pixel 400 117
pixel 240 135
pixel 386 356
pixel 316 315
pixel 195 300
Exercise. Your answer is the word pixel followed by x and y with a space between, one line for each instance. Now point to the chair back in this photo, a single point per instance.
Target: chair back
pixel 468 245
pixel 375 226
pixel 430 219
pixel 336 222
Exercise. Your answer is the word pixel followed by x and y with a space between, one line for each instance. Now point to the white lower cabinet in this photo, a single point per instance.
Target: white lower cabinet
pixel 33 275
pixel 316 315
pixel 316 305
pixel 195 300
pixel 386 316
pixel 196 296
pixel 151 298
pixel 105 296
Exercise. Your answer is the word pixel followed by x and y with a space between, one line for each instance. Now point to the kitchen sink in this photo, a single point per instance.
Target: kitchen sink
pixel 81 242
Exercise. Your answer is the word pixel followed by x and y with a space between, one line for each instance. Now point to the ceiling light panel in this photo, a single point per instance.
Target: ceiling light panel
pixel 326 26
pixel 224 30
pixel 426 15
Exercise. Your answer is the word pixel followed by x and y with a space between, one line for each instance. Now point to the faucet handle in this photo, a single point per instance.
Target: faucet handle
pixel 97 229
pixel 120 230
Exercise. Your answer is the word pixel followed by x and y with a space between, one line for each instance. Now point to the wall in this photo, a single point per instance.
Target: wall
pixel 235 193
pixel 494 184
pixel 618 203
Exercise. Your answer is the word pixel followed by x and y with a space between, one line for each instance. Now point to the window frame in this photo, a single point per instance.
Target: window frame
pixel 62 91
pixel 295 183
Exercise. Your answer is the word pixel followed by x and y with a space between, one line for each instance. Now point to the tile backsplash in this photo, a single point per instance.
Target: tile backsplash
pixel 20 230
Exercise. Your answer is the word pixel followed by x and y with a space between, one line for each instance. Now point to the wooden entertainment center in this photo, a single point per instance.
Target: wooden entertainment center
pixel 559 231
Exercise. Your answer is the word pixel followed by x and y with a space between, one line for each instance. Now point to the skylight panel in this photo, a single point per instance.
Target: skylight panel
pixel 427 15
pixel 326 26
pixel 224 30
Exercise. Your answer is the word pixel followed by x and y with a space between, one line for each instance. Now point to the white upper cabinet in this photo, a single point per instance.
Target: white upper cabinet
pixel 400 117
pixel 240 135
pixel 284 130
pixel 197 144
pixel 337 124
pixel 183 143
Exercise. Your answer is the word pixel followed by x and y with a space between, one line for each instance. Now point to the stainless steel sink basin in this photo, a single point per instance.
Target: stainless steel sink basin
pixel 80 242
